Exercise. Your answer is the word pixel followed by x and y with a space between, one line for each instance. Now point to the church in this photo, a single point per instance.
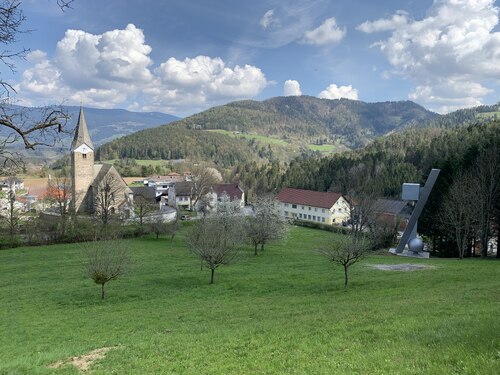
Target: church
pixel 96 188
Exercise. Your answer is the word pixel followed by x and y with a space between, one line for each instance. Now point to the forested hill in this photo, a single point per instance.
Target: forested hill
pixel 291 125
pixel 307 118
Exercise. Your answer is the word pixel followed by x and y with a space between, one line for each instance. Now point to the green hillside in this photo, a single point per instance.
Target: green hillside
pixel 308 118
pixel 278 128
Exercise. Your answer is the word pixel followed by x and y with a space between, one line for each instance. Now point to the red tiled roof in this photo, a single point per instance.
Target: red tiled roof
pixel 308 197
pixel 232 190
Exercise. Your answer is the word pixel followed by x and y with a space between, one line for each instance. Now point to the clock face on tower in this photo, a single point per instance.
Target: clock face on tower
pixel 83 149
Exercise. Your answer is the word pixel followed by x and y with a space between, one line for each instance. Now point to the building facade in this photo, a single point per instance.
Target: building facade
pixel 308 205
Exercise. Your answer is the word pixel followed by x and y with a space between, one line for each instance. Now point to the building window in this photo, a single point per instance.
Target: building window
pixel 300 216
pixel 309 208
pixel 314 218
pixel 302 207
pixel 323 210
pixel 286 204
pixel 323 219
pixel 294 206
pixel 315 209
pixel 84 156
pixel 286 213
pixel 309 217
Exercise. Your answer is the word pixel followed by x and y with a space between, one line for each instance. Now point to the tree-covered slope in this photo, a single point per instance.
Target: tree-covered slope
pixel 176 142
pixel 300 121
pixel 307 118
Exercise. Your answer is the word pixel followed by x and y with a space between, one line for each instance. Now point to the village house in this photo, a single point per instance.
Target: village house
pixel 233 191
pixel 12 183
pixel 180 195
pixel 308 205
pixel 392 212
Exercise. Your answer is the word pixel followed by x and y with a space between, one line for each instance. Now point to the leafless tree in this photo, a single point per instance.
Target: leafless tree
pixel 346 253
pixel 203 180
pixel 11 214
pixel 106 261
pixel 267 224
pixel 106 196
pixel 488 178
pixel 460 212
pixel 216 239
pixel 143 207
pixel 59 195
pixel 159 227
pixel 32 128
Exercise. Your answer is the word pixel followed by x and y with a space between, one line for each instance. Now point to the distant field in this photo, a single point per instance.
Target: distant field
pixel 326 149
pixel 488 115
pixel 260 138
pixel 284 311
pixel 154 162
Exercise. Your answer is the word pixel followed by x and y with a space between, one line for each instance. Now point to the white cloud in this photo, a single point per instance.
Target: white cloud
pixel 267 19
pixel 114 69
pixel 291 88
pixel 397 20
pixel 451 54
pixel 327 33
pixel 336 92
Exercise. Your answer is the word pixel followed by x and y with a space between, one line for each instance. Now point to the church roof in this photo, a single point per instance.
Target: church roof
pixel 82 134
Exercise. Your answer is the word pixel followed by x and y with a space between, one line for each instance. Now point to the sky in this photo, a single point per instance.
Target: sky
pixel 184 56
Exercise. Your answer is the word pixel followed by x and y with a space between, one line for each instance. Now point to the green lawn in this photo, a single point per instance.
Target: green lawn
pixel 325 149
pixel 488 115
pixel 282 312
pixel 257 137
pixel 146 162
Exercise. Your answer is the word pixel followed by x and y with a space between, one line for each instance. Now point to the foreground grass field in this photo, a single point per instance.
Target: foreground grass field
pixel 282 312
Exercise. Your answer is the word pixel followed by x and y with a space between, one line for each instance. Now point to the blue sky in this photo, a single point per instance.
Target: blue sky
pixel 181 57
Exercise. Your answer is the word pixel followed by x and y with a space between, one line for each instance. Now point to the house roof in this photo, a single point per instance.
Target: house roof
pixel 308 197
pixel 393 207
pixel 232 190
pixel 101 170
pixel 183 188
pixel 144 191
pixel 82 134
pixel 168 178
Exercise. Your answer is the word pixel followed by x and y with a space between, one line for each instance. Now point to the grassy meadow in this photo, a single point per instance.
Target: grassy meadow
pixel 284 311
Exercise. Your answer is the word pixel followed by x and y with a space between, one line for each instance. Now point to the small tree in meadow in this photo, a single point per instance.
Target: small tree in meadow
pixel 107 261
pixel 216 239
pixel 267 224
pixel 346 253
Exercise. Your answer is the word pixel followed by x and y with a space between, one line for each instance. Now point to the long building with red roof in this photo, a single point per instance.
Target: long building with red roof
pixel 317 206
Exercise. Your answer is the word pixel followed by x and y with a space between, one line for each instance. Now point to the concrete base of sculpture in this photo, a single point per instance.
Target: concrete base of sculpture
pixel 412 254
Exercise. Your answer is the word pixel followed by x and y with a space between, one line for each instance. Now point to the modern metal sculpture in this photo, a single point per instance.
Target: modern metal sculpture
pixel 419 194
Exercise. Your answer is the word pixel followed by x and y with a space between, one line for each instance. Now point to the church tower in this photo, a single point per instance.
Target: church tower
pixel 82 165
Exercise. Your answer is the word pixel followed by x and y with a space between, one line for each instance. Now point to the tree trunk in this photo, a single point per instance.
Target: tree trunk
pixel 212 278
pixel 102 291
pixel 498 243
pixel 255 250
pixel 346 278
pixel 262 246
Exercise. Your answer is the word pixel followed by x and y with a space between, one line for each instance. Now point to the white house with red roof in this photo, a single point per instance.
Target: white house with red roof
pixel 233 191
pixel 316 206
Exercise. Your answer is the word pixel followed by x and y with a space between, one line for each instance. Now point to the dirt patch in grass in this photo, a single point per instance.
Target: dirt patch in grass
pixel 83 362
pixel 400 267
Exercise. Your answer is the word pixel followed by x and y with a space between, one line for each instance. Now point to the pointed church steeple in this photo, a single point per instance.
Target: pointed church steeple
pixel 82 135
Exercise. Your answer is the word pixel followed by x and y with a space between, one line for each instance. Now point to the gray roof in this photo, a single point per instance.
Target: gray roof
pixel 144 191
pixel 184 188
pixel 82 134
pixel 394 207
